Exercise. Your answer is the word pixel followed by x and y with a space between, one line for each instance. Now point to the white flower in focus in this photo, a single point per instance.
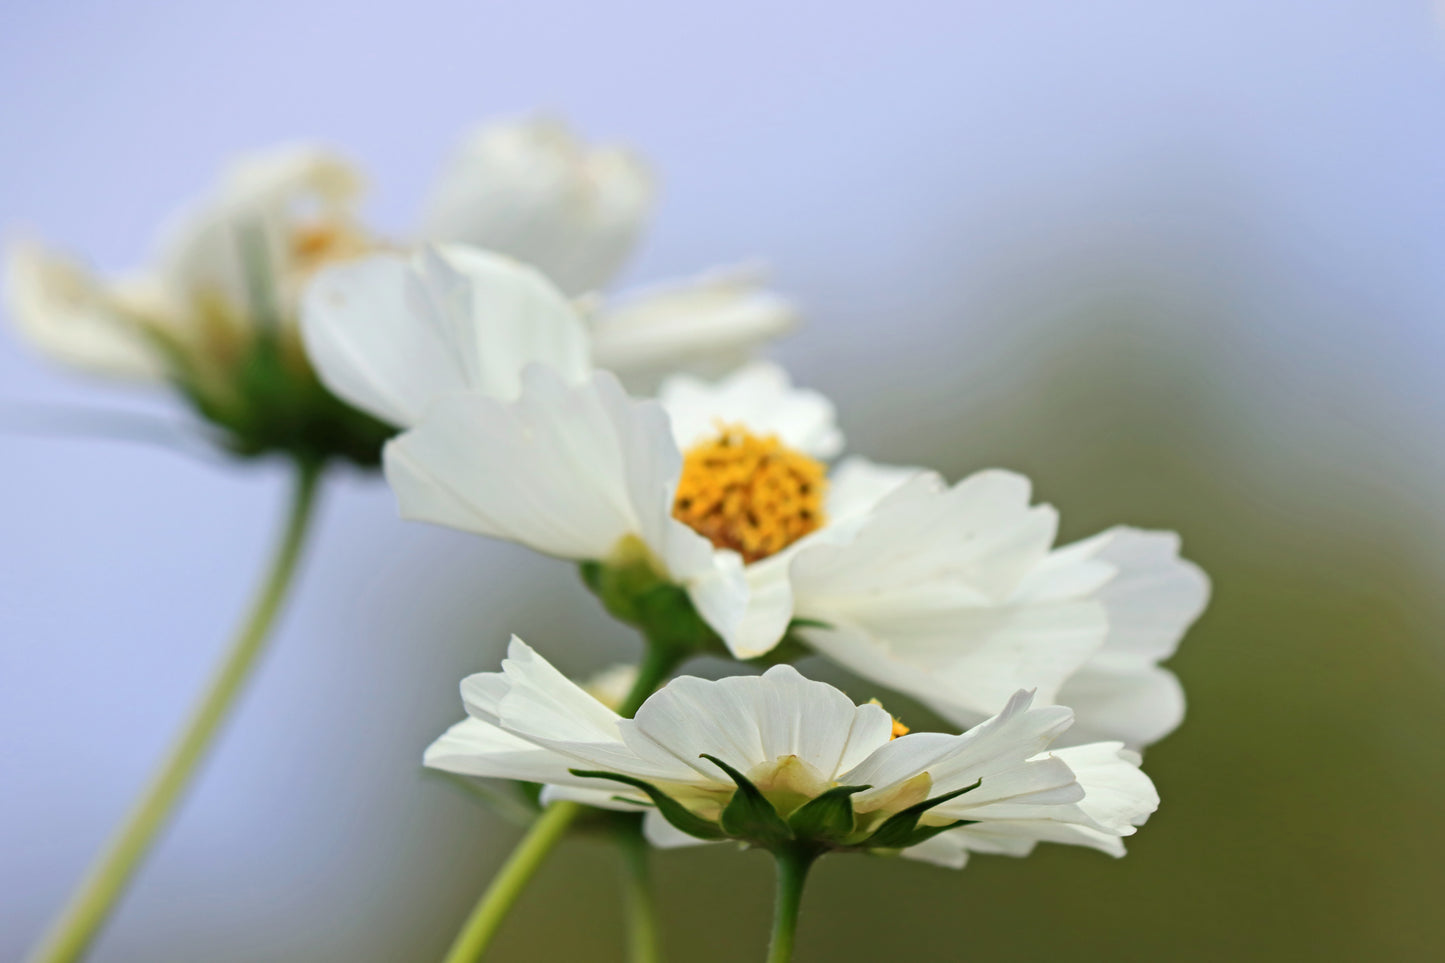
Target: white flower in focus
pixel 935 796
pixel 954 595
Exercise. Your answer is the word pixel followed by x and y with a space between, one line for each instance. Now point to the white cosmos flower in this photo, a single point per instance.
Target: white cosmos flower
pixel 952 594
pixel 795 739
pixel 294 206
pixel 527 188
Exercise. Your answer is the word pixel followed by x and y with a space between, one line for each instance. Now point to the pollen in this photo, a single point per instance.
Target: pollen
pixel 899 729
pixel 751 494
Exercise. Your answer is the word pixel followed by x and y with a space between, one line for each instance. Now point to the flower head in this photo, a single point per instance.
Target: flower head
pixel 779 759
pixel 216 312
pixel 715 502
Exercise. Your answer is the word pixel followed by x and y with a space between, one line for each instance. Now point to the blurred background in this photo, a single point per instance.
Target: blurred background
pixel 1179 262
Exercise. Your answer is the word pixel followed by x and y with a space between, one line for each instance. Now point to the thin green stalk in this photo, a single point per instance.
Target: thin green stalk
pixel 793 866
pixel 643 936
pixel 92 903
pixel 486 917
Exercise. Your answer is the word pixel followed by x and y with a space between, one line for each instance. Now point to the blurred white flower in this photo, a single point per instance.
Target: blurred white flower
pixel 532 190
pixel 527 188
pixel 810 765
pixel 706 325
pixel 193 311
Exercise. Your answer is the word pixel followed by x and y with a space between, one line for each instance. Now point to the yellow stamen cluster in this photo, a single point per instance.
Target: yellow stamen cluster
pixel 753 495
pixel 899 729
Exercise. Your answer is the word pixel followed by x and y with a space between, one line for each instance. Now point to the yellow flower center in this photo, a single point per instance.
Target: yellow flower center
pixel 753 495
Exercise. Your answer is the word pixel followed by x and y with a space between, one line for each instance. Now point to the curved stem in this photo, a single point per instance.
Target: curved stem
pixel 643 937
pixel 793 866
pixel 89 907
pixel 491 909
pixel 486 917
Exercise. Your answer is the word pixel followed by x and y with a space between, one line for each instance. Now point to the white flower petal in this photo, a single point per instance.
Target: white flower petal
pixel 761 398
pixel 476 748
pixel 994 746
pixel 569 470
pixel 1018 837
pixel 761 612
pixel 927 599
pixel 981 534
pixel 1155 597
pixel 1117 794
pixel 856 486
pixel 1150 602
pixel 531 190
pixel 708 325
pixel 72 317
pixel 747 721
pixel 618 796
pixel 392 333
pixel 942 850
pixel 664 835
pixel 1140 705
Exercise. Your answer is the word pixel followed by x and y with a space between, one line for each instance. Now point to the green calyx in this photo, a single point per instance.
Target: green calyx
pixel 632 587
pixel 632 590
pixel 243 369
pixel 269 401
pixel 825 823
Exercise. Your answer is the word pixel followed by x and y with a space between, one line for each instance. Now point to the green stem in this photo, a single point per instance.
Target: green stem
pixel 89 907
pixel 642 929
pixel 486 917
pixel 793 866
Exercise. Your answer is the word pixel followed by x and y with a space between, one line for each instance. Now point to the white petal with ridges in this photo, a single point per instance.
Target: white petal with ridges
pixel 391 333
pixel 569 470
pixel 761 398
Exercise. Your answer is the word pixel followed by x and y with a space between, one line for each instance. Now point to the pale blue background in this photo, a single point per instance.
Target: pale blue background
pixel 939 184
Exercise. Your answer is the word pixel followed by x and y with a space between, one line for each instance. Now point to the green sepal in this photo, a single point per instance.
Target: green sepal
pixel 900 829
pixel 925 833
pixel 827 818
pixel 634 592
pixel 749 815
pixel 673 811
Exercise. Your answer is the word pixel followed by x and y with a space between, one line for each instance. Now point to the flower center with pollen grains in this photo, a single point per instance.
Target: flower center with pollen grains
pixel 753 495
